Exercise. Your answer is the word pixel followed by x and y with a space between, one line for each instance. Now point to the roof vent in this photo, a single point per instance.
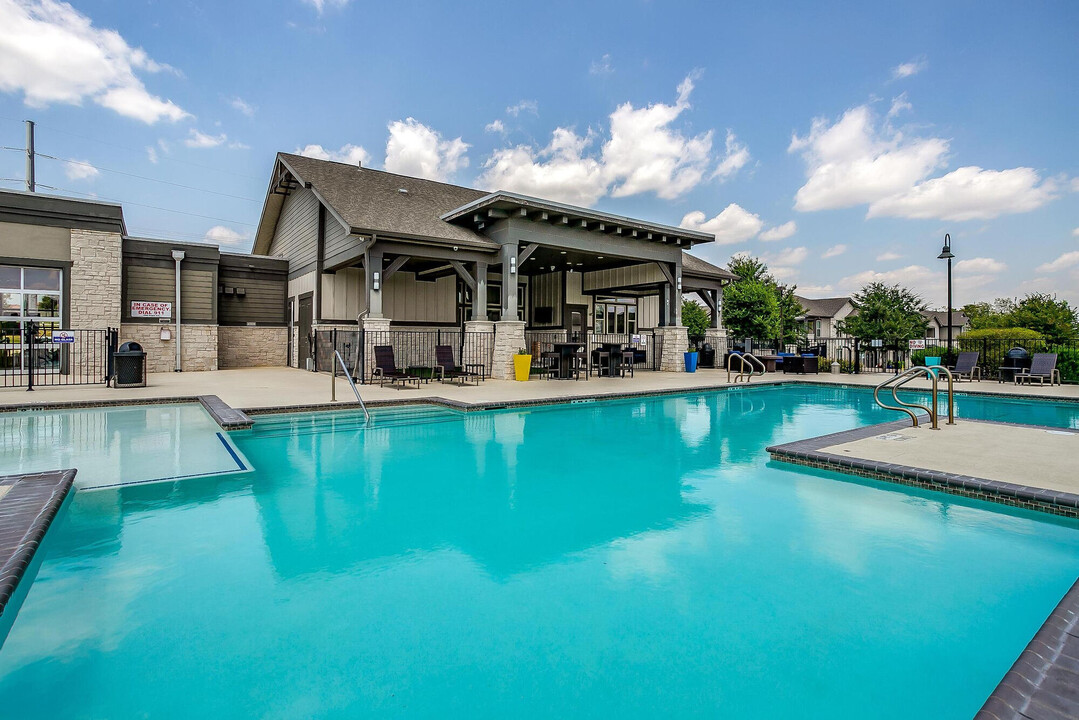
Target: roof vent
pixel 403 191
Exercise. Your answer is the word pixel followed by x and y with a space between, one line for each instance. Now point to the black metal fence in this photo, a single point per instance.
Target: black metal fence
pixel 645 344
pixel 413 349
pixel 43 355
pixel 993 352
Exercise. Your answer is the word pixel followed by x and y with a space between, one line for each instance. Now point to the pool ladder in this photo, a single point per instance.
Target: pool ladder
pixel 902 379
pixel 338 360
pixel 742 373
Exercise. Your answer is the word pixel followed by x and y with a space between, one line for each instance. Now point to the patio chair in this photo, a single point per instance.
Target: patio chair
pixel 1043 366
pixel 628 360
pixel 601 362
pixel 446 369
pixel 579 362
pixel 386 369
pixel 966 367
pixel 548 364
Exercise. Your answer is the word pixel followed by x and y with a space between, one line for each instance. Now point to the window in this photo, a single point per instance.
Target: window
pixel 816 328
pixel 29 294
pixel 616 316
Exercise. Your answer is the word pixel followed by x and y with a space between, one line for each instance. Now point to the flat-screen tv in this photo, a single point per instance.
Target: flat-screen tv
pixel 543 315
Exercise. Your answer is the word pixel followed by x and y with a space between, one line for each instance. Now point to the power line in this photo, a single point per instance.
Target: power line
pixel 152 207
pixel 150 179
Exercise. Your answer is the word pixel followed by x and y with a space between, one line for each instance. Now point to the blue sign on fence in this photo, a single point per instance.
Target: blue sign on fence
pixel 63 336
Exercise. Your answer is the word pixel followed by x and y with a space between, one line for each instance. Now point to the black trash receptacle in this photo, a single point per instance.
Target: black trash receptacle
pixel 708 356
pixel 129 366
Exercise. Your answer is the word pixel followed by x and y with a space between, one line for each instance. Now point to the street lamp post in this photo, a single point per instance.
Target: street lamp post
pixel 946 254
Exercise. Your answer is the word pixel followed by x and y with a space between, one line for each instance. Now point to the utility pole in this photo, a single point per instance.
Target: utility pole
pixel 31 183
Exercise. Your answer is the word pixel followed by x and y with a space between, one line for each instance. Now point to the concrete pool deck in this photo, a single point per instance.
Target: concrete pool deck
pixel 261 388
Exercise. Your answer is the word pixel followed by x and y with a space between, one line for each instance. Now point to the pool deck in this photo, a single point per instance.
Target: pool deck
pixel 265 388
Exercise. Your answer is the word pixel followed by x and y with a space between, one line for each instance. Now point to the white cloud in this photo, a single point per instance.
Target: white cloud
pixel 888 256
pixel 415 149
pixel 225 237
pixel 969 193
pixel 523 106
pixel 1075 232
pixel 196 139
pixel 151 154
pixel 848 163
pixel 979 265
pixel 237 145
pixel 737 155
pixel 899 104
pixel 602 66
pixel 916 277
pixel 495 126
pixel 734 225
pixel 559 171
pixel 851 163
pixel 815 290
pixel 321 5
pixel 643 154
pixel 834 251
pixel 779 232
pixel 1075 184
pixel 349 154
pixel 905 70
pixel 243 106
pixel 1065 261
pixel 788 256
pixel 52 53
pixel 80 170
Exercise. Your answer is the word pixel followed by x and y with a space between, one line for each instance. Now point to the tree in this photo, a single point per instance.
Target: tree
pixel 1043 313
pixel 696 320
pixel 889 313
pixel 749 312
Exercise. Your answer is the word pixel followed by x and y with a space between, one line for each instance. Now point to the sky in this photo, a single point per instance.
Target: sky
pixel 837 141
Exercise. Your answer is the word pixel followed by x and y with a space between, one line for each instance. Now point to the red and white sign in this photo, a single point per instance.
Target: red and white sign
pixel 140 308
pixel 916 344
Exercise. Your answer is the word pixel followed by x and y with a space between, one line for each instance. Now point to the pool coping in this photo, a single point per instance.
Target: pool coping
pixel 810 453
pixel 26 512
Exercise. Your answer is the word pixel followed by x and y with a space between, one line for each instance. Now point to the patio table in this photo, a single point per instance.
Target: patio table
pixel 566 351
pixel 615 359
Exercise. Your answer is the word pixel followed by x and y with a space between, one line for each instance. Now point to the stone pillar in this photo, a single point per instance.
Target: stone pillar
pixel 479 294
pixel 95 280
pixel 375 332
pixel 509 338
pixel 674 340
pixel 479 341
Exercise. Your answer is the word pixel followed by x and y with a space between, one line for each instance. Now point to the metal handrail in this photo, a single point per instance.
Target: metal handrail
pixel 897 381
pixel 754 359
pixel 741 366
pixel 351 384
pixel 742 357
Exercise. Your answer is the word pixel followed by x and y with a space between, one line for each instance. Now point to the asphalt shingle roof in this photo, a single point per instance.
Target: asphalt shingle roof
pixel 695 266
pixel 822 307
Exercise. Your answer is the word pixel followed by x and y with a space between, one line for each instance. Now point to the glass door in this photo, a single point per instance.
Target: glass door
pixel 29 295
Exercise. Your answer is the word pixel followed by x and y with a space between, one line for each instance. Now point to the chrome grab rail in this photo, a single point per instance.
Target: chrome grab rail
pixel 333 383
pixel 897 381
pixel 742 358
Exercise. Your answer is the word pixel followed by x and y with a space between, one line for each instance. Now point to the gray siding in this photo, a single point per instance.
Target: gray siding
pixel 296 236
pixel 643 274
pixel 157 284
pixel 263 299
pixel 34 242
pixel 547 292
pixel 337 238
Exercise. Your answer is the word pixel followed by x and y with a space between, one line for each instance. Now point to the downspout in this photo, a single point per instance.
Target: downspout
pixel 178 256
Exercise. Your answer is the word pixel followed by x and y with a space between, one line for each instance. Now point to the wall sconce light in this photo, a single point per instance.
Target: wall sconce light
pixel 678 283
pixel 376 278
pixel 513 266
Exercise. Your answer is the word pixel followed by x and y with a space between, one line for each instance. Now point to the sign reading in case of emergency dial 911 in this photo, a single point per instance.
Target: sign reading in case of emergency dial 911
pixel 141 308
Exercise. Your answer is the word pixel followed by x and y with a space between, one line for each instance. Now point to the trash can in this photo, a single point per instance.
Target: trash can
pixel 708 356
pixel 129 365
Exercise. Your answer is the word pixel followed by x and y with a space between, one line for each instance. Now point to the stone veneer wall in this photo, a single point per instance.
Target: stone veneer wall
pixel 509 338
pixel 675 341
pixel 241 346
pixel 96 258
pixel 199 346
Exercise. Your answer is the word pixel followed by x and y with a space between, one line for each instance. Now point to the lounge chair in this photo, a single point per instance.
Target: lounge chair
pixel 1043 366
pixel 966 367
pixel 446 369
pixel 386 368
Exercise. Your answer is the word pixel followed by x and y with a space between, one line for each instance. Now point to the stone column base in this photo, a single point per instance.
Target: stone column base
pixel 674 341
pixel 509 338
pixel 375 332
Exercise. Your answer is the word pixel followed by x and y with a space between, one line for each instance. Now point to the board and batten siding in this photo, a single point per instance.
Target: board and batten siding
pixel 158 284
pixel 262 301
pixel 296 235
pixel 642 274
pixel 547 292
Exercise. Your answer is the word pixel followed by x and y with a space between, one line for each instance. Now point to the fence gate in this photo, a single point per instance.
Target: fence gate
pixel 42 355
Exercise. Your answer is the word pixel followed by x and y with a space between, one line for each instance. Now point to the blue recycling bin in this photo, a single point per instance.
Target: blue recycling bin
pixel 691 361
pixel 930 361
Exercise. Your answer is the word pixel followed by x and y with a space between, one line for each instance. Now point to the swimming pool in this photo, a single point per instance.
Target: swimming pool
pixel 624 558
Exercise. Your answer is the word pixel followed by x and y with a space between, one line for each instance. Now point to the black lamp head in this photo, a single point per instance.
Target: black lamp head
pixel 946 251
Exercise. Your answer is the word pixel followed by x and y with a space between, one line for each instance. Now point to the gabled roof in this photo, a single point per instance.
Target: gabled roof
pixel 370 201
pixel 503 201
pixel 693 265
pixel 822 307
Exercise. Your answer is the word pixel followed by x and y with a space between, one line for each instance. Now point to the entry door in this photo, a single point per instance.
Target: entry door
pixel 306 316
pixel 575 321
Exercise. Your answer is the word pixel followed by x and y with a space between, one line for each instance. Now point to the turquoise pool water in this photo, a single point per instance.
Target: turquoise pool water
pixel 636 558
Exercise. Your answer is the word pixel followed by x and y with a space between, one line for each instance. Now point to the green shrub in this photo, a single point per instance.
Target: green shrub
pixel 917 357
pixel 1001 334
pixel 825 365
pixel 1067 362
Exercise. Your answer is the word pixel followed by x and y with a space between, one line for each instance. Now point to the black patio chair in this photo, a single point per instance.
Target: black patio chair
pixel 446 369
pixel 1043 366
pixel 386 369
pixel 966 367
